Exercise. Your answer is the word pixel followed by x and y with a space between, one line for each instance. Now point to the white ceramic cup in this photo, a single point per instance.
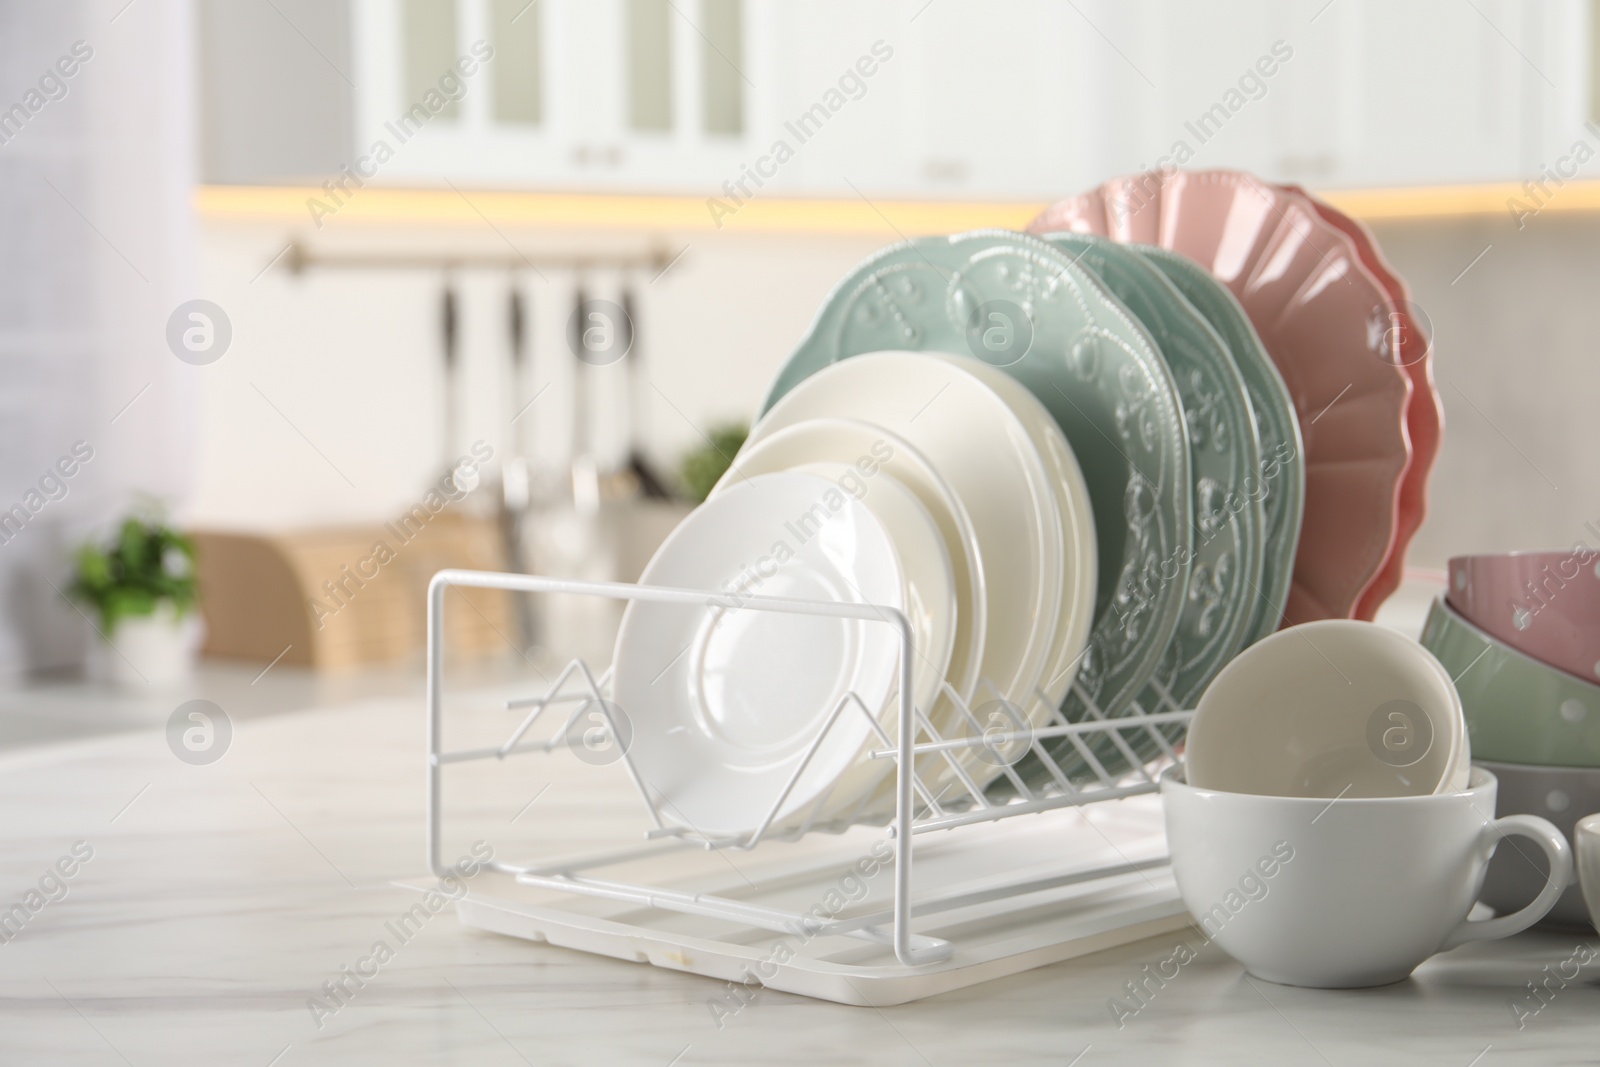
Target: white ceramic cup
pixel 1331 708
pixel 1349 892
pixel 1586 842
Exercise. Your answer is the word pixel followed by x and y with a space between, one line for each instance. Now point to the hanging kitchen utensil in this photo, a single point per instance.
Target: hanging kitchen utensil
pixel 448 339
pixel 650 486
pixel 515 475
pixel 585 471
pixel 572 538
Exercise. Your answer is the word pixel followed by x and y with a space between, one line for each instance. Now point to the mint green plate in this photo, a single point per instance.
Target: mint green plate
pixel 1224 451
pixel 1282 477
pixel 1100 375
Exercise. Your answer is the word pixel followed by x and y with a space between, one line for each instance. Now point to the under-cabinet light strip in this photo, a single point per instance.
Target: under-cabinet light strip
pixel 887 218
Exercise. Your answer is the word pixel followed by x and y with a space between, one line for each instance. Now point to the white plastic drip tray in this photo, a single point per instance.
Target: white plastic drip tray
pixel 1007 896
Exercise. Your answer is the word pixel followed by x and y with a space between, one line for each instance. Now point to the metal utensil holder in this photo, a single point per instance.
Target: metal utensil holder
pixel 916 807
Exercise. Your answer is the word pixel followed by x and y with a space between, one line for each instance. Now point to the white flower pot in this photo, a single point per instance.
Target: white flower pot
pixel 156 649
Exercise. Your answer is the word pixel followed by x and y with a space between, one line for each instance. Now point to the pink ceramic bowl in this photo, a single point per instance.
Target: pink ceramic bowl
pixel 1543 604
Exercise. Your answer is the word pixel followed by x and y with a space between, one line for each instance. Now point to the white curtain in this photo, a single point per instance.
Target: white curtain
pixel 96 250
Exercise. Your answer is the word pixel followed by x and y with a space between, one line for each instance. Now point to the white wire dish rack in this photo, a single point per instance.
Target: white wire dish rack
pixel 808 908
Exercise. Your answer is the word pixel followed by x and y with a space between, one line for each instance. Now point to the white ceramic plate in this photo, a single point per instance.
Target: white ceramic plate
pixel 725 701
pixel 984 450
pixel 1080 563
pixel 930 580
pixel 931 608
pixel 1077 520
pixel 931 603
pixel 873 452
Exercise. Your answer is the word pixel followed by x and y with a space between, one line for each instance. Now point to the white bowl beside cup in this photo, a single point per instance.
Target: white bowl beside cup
pixel 1331 708
pixel 1586 843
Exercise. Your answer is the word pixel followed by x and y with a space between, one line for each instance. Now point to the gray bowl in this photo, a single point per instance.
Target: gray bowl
pixel 1561 794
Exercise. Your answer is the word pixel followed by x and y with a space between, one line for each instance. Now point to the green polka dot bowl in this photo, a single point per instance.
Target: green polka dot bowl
pixel 1518 709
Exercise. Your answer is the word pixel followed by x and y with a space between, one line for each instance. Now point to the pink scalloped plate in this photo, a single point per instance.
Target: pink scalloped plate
pixel 1323 318
pixel 1424 415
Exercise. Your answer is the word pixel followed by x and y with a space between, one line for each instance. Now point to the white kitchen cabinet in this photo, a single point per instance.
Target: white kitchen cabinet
pixel 1468 92
pixel 1005 99
pixel 586 133
pixel 1363 93
pixel 897 98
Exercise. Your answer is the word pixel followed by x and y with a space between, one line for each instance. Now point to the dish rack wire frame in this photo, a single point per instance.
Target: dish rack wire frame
pixel 909 948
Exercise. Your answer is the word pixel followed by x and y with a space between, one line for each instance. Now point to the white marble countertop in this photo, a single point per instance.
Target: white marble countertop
pixel 218 899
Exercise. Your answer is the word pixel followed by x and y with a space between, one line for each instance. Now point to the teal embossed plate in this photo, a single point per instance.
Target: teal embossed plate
pixel 1283 461
pixel 1021 304
pixel 1225 455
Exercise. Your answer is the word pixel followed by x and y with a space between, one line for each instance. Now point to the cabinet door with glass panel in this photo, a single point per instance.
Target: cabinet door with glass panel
pixel 631 94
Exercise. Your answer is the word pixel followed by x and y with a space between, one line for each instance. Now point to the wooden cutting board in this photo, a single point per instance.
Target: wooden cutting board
pixel 350 596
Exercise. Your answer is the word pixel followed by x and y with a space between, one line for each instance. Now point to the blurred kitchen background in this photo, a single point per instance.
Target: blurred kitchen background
pixel 392 210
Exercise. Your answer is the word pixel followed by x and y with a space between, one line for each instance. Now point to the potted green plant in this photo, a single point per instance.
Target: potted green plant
pixel 703 466
pixel 142 586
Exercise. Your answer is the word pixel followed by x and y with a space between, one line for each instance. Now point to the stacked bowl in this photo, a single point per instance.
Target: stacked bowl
pixel 1520 635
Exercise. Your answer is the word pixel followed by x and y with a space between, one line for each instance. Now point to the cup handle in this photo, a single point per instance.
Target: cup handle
pixel 1544 834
